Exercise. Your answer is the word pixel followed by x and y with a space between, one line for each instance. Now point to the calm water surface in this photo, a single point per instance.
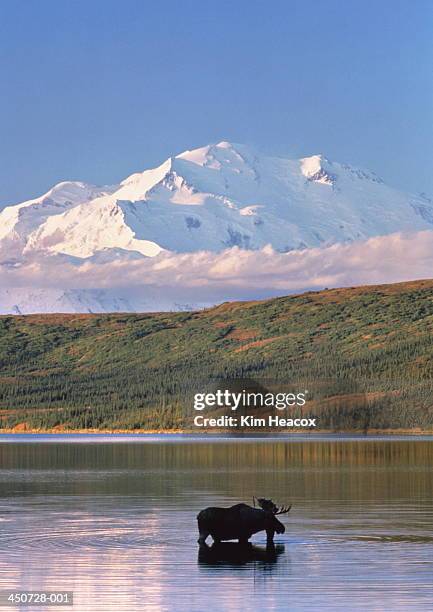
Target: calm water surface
pixel 115 523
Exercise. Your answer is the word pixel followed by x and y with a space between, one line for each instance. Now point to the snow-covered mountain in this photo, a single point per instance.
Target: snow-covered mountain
pixel 212 198
pixel 206 200
pixel 18 222
pixel 28 300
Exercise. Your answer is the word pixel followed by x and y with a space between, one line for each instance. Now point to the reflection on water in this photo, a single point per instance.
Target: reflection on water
pixel 115 523
pixel 227 554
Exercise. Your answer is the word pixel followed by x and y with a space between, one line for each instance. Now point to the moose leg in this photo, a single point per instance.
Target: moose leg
pixel 270 536
pixel 202 529
pixel 203 533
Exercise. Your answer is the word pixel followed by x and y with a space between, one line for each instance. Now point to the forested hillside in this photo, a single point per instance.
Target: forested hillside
pixel 139 370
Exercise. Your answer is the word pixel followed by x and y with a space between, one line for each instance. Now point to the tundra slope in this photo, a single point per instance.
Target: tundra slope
pixel 141 371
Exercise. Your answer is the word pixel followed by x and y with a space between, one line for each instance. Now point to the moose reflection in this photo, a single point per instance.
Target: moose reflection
pixel 240 522
pixel 232 553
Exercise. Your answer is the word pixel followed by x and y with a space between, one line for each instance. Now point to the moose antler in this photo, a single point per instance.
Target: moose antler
pixel 268 506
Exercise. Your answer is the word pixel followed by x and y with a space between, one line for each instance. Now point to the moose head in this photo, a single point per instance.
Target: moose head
pixel 271 510
pixel 268 506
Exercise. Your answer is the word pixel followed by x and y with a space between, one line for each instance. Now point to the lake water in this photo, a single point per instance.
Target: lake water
pixel 115 522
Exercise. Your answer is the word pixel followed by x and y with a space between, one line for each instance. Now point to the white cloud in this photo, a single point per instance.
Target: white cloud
pixel 235 273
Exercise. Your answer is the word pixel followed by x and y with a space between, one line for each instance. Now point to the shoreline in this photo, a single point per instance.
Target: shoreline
pixel 169 432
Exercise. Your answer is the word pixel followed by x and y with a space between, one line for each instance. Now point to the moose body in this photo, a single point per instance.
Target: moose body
pixel 240 522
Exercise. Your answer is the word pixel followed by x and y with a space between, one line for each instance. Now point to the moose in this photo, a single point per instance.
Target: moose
pixel 241 521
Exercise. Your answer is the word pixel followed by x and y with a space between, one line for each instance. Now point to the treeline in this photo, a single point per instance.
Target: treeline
pixel 364 353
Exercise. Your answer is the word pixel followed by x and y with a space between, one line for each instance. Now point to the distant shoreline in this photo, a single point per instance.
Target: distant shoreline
pixel 263 434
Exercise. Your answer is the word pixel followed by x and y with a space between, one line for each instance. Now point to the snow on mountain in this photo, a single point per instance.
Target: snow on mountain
pixel 19 221
pixel 29 300
pixel 193 207
pixel 212 198
pixel 26 300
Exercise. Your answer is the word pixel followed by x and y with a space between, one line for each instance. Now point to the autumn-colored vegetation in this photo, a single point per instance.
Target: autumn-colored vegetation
pixel 134 371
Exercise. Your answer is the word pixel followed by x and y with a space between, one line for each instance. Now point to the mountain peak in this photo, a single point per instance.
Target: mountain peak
pixel 136 186
pixel 225 144
pixel 215 197
pixel 217 155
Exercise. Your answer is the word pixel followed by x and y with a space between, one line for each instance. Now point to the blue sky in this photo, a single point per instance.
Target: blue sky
pixel 97 90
